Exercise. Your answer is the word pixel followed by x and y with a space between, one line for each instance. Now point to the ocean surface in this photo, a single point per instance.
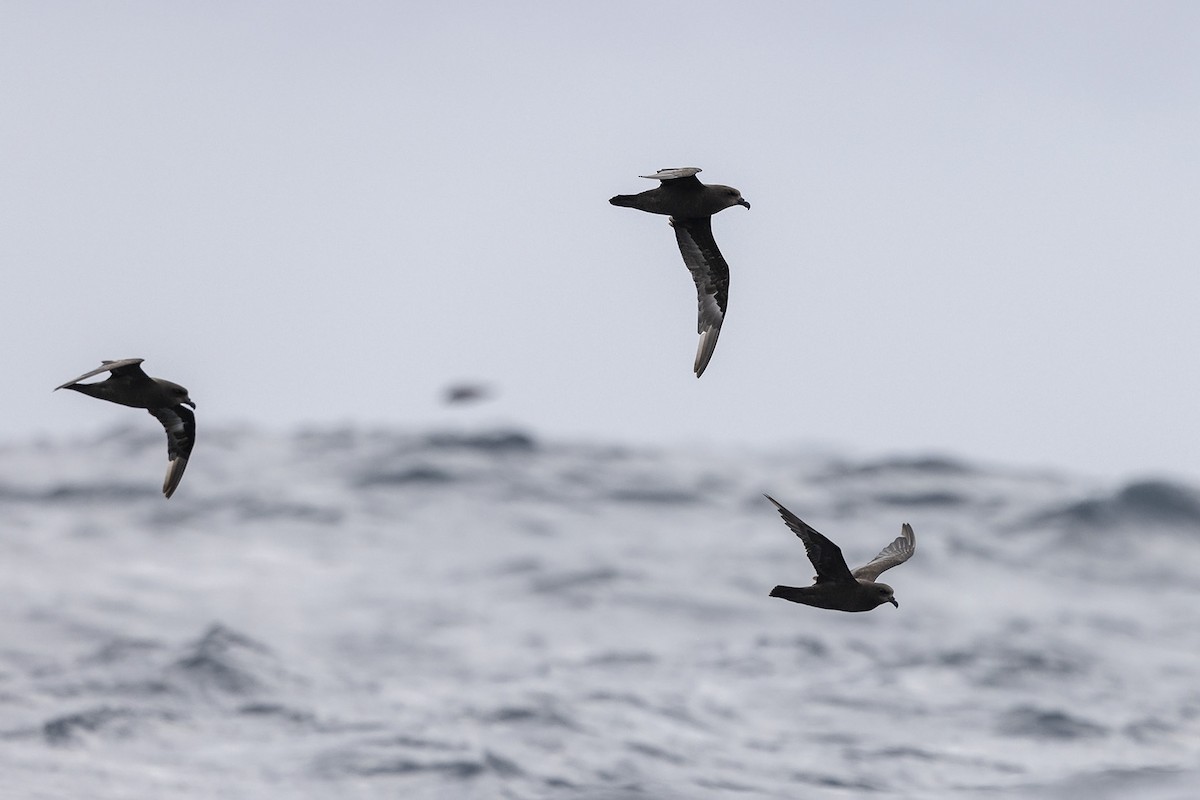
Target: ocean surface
pixel 372 613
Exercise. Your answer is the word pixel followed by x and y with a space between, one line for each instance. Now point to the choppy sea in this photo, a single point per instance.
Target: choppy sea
pixel 371 613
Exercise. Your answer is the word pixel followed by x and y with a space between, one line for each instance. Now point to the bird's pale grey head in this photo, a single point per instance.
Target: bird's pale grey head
pixel 176 393
pixel 886 595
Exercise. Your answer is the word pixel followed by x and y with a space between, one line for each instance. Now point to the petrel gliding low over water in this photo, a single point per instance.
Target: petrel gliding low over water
pixel 690 205
pixel 835 586
pixel 129 386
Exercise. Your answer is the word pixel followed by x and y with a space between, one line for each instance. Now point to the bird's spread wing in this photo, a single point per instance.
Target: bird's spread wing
pixel 711 274
pixel 824 554
pixel 899 551
pixel 674 174
pixel 180 424
pixel 126 366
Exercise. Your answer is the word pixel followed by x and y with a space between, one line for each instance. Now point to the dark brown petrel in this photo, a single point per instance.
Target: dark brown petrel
pixel 167 401
pixel 835 586
pixel 464 393
pixel 690 204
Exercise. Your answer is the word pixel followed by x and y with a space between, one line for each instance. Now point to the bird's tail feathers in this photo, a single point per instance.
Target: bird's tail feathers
pixel 624 200
pixel 793 593
pixel 90 389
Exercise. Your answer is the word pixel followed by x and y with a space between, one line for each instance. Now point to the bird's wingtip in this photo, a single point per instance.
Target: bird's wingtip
pixel 174 475
pixel 705 348
pixel 671 173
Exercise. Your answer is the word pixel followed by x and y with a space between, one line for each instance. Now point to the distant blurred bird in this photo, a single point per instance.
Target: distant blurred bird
pixel 835 586
pixel 690 205
pixel 461 393
pixel 166 401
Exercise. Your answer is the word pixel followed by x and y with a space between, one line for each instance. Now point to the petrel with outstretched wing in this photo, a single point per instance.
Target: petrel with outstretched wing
pixel 835 585
pixel 690 205
pixel 168 402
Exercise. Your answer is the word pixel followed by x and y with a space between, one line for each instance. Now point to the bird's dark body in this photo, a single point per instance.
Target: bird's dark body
pixel 836 586
pixel 682 198
pixel 168 402
pixel 133 391
pixel 826 596
pixel 690 205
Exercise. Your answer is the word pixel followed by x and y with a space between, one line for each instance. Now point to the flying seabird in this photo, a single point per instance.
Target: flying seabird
pixel 690 205
pixel 167 401
pixel 835 586
pixel 462 393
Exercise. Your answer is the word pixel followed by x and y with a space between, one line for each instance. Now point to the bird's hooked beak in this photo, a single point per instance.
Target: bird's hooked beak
pixel 190 402
pixel 743 203
pixel 892 600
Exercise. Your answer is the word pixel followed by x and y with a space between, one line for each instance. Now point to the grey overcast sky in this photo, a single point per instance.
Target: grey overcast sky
pixel 974 226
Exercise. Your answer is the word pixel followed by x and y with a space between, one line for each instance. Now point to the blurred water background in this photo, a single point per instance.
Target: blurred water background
pixel 364 613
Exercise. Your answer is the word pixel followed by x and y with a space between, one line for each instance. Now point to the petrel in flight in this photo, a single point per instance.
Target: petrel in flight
pixel 690 204
pixel 129 386
pixel 835 586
